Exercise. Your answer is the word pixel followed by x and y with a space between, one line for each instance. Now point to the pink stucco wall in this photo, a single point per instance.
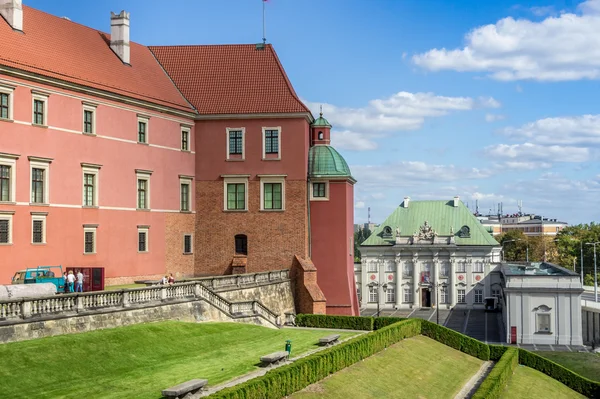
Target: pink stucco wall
pixel 332 248
pixel 61 141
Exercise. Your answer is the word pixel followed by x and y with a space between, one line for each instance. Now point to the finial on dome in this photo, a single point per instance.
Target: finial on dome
pixel 321 111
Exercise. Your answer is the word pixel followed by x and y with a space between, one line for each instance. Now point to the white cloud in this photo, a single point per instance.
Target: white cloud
pixel 534 152
pixel 489 102
pixel 522 165
pixel 359 205
pixel 566 47
pixel 494 117
pixel 352 141
pixel 578 130
pixel 378 195
pixel 542 11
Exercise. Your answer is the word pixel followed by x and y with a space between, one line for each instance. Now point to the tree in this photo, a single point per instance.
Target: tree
pixel 569 246
pixel 359 237
pixel 588 280
pixel 514 245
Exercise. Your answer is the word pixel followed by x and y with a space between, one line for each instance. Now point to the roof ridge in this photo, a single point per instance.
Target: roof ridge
pixel 287 81
pixel 204 45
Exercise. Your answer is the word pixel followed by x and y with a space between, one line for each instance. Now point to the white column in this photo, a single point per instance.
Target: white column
pixel 381 279
pixel 415 286
pixel 452 282
pixel 398 280
pixel 436 273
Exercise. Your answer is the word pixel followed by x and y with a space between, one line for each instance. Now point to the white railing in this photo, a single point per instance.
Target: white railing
pixel 9 310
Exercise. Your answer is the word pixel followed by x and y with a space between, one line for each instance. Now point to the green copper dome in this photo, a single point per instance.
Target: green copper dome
pixel 321 122
pixel 325 161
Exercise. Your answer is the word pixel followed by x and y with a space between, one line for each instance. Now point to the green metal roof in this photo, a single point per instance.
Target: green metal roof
pixel 325 161
pixel 440 215
pixel 320 121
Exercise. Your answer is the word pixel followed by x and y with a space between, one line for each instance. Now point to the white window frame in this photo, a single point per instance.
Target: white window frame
pixel 444 267
pixel 92 228
pixel 191 244
pixel 143 229
pixel 39 216
pixel 372 266
pixel 407 295
pixel 40 163
pixel 90 169
pixel 496 293
pixel 478 267
pixel 10 160
pixel 146 120
pixel 478 292
pixel 92 109
pixel 142 175
pixel 407 269
pixel 5 89
pixel 390 266
pixel 461 267
pixel 188 181
pixel 272 179
pixel 187 131
pixel 8 215
pixel 390 294
pixel 444 295
pixel 461 292
pixel 235 129
pixel 235 180
pixel 373 294
pixel 537 322
pixel 40 97
pixel 326 197
pixel 279 142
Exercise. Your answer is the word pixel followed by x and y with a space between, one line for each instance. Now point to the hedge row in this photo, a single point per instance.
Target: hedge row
pixel 578 383
pixel 455 340
pixel 380 322
pixel 288 379
pixel 339 322
pixel 502 372
pixel 496 351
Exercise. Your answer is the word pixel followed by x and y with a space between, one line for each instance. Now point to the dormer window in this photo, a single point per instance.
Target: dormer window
pixel 464 232
pixel 387 232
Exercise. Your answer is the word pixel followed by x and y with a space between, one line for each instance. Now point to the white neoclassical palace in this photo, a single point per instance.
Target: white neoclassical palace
pixel 427 252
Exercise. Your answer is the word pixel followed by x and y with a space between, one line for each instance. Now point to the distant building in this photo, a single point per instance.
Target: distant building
pixel 363 226
pixel 530 225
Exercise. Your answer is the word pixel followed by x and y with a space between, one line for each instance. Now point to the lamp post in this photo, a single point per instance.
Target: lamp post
pixel 376 285
pixel 437 300
pixel 595 270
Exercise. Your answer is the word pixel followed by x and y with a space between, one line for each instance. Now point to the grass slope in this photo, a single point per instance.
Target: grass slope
pixel 417 367
pixel 585 364
pixel 527 383
pixel 141 360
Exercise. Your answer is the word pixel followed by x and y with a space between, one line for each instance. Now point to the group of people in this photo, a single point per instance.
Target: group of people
pixel 168 279
pixel 73 282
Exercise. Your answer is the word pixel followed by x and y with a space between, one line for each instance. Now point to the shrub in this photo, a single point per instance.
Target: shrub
pixel 578 383
pixel 456 340
pixel 340 322
pixel 496 352
pixel 288 379
pixel 380 322
pixel 502 372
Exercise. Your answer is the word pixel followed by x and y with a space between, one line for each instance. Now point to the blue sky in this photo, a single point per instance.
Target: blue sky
pixel 494 101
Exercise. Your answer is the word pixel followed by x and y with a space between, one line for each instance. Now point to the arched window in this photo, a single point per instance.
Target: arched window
pixel 241 244
pixel 320 135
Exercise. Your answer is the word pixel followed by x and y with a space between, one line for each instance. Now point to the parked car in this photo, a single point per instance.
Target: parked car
pixel 41 274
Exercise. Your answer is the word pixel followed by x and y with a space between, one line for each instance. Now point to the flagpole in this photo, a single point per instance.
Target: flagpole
pixel 264 34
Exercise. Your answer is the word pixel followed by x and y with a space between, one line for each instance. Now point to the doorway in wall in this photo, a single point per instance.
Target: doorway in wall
pixel 425 298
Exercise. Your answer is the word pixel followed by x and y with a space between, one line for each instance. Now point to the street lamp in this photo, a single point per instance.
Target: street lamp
pixel 376 285
pixel 581 255
pixel 437 299
pixel 595 270
pixel 518 239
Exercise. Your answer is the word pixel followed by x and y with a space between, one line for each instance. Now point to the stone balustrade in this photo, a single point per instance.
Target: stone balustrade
pixel 75 304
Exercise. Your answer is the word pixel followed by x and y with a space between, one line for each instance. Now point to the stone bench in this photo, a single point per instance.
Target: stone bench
pixel 181 390
pixel 329 340
pixel 273 358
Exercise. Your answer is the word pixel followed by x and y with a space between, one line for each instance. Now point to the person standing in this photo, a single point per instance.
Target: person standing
pixel 171 279
pixel 71 280
pixel 65 283
pixel 79 284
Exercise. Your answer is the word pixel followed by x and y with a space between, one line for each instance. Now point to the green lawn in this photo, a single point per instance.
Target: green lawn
pixel 139 361
pixel 585 364
pixel 527 383
pixel 417 367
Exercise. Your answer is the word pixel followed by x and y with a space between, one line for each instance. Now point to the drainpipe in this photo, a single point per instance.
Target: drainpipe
pixel 308 214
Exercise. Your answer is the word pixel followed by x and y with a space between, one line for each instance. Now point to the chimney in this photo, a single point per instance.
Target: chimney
pixel 119 35
pixel 456 200
pixel 12 11
pixel 406 201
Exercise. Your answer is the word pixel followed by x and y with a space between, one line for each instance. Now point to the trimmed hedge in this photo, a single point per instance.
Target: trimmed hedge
pixel 578 383
pixel 502 372
pixel 339 322
pixel 291 378
pixel 380 322
pixel 455 340
pixel 496 352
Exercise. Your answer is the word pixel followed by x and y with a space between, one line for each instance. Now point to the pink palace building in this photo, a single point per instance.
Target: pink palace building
pixel 191 160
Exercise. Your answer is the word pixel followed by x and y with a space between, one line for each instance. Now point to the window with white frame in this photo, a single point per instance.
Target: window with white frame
pixel 236 193
pixel 272 193
pixel 89 238
pixel 461 296
pixel 319 191
pixel 390 294
pixel 91 173
pixel 143 123
pixel 373 297
pixel 6 102
pixel 8 173
pixel 89 118
pixel 185 139
pixel 478 267
pixel 39 169
pixel 38 227
pixel 271 142
pixel 143 238
pixel 371 266
pixel 390 266
pixel 461 267
pixel 235 143
pixel 40 109
pixel 6 219
pixel 185 194
pixel 496 293
pixel 408 297
pixel 407 269
pixel 444 269
pixel 444 295
pixel 143 189
pixel 543 322
pixel 188 244
pixel 478 296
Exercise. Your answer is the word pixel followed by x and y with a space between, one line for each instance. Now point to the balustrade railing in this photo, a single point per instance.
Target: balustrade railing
pixel 9 310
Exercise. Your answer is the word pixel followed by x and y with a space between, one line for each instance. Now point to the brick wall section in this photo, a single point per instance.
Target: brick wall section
pixel 130 279
pixel 176 225
pixel 308 296
pixel 274 238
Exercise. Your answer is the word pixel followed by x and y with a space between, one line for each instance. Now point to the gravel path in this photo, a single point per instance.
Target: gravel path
pixel 471 386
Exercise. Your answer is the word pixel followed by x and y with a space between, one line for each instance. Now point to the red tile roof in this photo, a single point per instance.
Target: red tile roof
pixel 58 48
pixel 230 79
